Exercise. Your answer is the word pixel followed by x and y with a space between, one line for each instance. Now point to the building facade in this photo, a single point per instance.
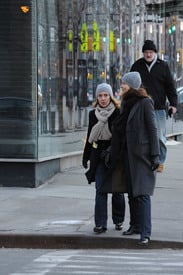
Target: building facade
pixel 53 55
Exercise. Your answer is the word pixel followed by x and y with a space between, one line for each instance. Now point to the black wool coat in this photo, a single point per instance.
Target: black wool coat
pixel 92 153
pixel 142 142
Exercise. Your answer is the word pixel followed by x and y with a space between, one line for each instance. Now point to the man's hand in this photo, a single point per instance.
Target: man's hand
pixel 171 111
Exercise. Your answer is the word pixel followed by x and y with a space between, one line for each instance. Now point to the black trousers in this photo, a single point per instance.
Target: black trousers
pixel 101 198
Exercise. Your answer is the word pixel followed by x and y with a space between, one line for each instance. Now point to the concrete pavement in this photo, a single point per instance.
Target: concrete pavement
pixel 59 214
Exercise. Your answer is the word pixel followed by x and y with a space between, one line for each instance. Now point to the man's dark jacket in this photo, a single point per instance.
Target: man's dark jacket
pixel 158 82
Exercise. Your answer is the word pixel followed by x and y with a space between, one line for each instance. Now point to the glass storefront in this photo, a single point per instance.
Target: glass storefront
pixel 54 53
pixel 82 43
pixel 18 103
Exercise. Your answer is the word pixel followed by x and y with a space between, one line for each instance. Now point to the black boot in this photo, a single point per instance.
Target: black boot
pixel 131 230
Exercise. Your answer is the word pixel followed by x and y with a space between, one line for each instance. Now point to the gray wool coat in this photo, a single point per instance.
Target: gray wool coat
pixel 142 143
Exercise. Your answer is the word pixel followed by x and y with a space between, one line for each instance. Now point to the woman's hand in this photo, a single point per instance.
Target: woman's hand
pixel 154 162
pixel 85 163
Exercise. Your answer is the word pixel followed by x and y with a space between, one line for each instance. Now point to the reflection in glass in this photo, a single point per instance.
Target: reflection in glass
pixel 83 43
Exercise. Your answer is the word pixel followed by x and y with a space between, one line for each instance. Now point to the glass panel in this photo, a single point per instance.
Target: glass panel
pixel 18 119
pixel 82 43
pixel 53 53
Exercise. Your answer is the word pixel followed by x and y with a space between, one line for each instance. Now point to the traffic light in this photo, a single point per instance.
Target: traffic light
pixel 127 40
pixel 25 9
pixel 70 38
pixel 118 40
pixel 96 37
pixel 104 39
pixel 111 44
pixel 179 56
pixel 103 74
pixel 84 38
pixel 172 29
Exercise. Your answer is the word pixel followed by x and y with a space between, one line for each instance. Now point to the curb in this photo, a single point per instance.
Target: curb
pixel 79 242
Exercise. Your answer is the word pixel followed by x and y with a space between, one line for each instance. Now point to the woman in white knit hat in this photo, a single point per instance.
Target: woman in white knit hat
pixel 135 144
pixel 101 118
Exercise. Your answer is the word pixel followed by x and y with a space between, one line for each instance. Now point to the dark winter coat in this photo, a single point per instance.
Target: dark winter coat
pixel 92 153
pixel 158 82
pixel 142 142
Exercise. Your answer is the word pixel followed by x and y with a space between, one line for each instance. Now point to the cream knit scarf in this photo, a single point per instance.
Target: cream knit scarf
pixel 100 130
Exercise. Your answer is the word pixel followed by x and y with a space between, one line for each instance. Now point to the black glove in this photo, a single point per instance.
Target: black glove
pixel 85 163
pixel 105 156
pixel 107 160
pixel 154 162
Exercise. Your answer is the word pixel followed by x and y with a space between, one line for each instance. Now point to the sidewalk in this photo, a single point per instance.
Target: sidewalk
pixel 59 214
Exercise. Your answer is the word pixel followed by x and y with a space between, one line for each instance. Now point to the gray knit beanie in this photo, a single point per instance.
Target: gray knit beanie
pixel 104 87
pixel 132 79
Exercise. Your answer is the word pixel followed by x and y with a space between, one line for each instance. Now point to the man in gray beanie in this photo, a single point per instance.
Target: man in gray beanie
pixel 133 80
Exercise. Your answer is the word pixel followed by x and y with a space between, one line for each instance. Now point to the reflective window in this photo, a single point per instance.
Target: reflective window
pixel 53 53
pixel 83 43
pixel 18 121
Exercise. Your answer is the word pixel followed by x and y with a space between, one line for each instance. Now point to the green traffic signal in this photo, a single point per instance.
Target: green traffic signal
pixel 172 29
pixel 118 40
pixel 128 40
pixel 104 39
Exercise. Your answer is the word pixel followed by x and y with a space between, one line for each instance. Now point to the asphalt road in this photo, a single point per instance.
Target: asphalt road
pixel 90 262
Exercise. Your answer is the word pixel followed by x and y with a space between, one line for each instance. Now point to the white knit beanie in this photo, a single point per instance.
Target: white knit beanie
pixel 104 87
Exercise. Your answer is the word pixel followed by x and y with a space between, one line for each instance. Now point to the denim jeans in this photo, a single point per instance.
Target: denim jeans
pixel 134 212
pixel 118 201
pixel 161 126
pixel 144 206
pixel 133 202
